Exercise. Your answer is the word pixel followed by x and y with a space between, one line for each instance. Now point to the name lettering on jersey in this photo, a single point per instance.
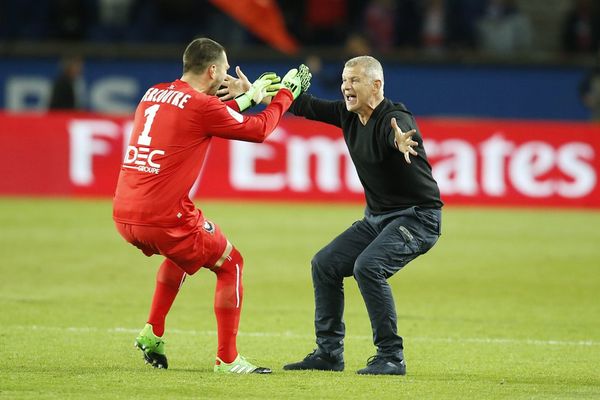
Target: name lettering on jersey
pixel 173 97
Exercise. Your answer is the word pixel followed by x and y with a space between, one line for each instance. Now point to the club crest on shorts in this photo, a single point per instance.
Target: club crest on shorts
pixel 209 227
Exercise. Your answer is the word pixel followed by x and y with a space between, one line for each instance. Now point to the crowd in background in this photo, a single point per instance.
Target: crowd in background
pixel 434 26
pixel 437 28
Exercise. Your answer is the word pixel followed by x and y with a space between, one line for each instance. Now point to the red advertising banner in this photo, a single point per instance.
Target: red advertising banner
pixel 480 162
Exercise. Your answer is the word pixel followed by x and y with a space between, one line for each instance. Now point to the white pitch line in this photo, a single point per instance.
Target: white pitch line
pixel 287 334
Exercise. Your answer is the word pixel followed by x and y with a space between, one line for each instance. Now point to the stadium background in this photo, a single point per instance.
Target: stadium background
pixel 508 132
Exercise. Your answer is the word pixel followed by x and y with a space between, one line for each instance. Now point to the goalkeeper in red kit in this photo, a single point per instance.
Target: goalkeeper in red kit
pixel 173 127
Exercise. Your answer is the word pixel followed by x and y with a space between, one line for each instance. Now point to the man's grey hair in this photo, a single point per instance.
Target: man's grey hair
pixel 373 68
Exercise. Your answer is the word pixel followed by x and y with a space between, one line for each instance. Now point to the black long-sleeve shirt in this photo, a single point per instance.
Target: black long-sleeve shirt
pixel 390 183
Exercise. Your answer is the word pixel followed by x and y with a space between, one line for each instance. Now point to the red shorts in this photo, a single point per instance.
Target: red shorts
pixel 191 246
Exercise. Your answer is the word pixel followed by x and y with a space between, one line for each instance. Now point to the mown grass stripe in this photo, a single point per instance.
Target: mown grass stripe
pixel 483 340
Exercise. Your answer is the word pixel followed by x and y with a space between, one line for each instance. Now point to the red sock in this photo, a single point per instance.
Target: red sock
pixel 168 281
pixel 228 304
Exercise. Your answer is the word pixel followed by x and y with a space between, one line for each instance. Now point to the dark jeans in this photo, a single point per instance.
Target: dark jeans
pixel 372 250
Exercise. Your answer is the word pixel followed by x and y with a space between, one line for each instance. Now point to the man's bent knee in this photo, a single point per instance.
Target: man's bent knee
pixel 366 269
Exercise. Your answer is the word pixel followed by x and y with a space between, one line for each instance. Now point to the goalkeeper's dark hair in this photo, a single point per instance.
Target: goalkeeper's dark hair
pixel 200 54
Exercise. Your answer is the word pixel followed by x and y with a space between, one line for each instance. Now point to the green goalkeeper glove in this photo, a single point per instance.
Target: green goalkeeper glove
pixel 275 85
pixel 264 86
pixel 305 76
pixel 297 80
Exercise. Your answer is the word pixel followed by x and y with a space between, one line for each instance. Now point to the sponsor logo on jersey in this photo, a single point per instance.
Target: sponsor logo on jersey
pixel 142 159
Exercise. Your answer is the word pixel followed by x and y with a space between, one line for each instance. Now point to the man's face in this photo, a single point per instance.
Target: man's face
pixel 357 88
pixel 221 68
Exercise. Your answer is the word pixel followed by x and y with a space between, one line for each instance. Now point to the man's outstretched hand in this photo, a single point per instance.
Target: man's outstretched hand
pixel 404 141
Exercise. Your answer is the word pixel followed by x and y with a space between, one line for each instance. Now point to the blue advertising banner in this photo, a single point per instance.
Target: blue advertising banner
pixel 427 90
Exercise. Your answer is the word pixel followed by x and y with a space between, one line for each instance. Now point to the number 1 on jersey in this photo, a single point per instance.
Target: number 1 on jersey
pixel 144 139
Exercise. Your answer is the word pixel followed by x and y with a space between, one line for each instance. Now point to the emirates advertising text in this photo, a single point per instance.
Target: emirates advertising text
pixel 475 161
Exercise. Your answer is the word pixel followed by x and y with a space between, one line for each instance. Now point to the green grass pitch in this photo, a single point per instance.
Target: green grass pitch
pixel 507 305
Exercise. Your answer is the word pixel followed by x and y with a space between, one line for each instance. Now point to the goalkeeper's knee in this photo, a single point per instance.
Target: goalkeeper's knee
pixel 233 264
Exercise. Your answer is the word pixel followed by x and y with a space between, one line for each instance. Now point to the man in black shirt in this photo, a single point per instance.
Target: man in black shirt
pixel 402 217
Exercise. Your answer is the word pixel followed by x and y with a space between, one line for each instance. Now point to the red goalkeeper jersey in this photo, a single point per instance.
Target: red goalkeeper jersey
pixel 171 133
